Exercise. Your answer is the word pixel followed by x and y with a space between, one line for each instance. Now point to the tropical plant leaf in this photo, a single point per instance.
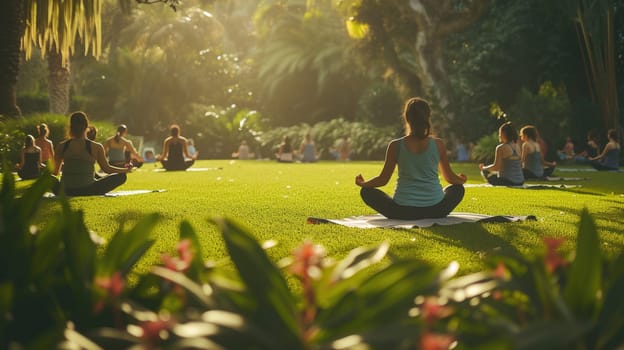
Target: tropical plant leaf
pixel 202 295
pixel 584 279
pixel 275 307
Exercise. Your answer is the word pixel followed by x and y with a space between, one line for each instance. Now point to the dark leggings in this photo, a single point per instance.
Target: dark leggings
pixel 177 165
pixel 528 174
pixel 100 186
pixel 599 166
pixel 494 180
pixel 386 206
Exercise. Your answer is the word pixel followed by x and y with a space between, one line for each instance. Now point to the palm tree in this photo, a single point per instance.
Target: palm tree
pixel 51 25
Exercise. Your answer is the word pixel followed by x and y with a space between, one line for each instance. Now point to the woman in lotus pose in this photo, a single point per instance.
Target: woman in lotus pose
pixel 76 158
pixel 533 164
pixel 121 151
pixel 418 155
pixel 609 159
pixel 30 165
pixel 175 151
pixel 42 141
pixel 507 167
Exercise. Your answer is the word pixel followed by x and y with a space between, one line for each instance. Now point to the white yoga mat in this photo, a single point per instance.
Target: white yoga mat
pixel 527 186
pixel 380 221
pixel 189 169
pixel 113 193
pixel 130 192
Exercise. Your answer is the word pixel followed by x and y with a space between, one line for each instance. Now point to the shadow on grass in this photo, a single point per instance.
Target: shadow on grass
pixel 472 237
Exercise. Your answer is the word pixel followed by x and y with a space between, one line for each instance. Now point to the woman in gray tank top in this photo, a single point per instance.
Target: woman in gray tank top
pixel 534 166
pixel 507 167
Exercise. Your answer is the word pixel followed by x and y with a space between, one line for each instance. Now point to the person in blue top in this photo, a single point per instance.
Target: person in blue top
pixel 609 159
pixel 76 158
pixel 507 167
pixel 533 164
pixel 418 155
pixel 308 150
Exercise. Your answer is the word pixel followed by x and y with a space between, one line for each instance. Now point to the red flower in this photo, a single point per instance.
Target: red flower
pixel 553 259
pixel 114 284
pixel 182 263
pixel 432 311
pixel 307 257
pixel 435 341
pixel 153 330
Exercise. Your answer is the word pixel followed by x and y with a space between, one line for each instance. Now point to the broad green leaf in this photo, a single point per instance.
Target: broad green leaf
pixel 276 307
pixel 584 279
pixel 126 248
pixel 358 259
pixel 202 295
pixel 197 265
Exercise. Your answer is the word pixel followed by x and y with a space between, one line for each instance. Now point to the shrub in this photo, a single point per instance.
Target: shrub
pixel 484 150
pixel 57 291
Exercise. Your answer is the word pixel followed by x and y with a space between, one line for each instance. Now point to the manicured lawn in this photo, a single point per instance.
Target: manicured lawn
pixel 273 200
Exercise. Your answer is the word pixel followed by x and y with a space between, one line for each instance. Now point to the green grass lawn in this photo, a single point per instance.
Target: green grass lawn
pixel 273 200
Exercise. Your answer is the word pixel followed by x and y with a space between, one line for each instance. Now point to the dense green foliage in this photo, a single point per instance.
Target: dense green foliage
pixel 66 286
pixel 299 63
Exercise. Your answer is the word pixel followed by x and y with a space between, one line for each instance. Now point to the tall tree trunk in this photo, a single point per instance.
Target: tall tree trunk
pixel 11 29
pixel 437 20
pixel 58 82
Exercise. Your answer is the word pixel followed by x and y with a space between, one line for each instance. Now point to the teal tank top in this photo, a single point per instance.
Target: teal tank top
pixel 533 163
pixel 512 168
pixel 418 184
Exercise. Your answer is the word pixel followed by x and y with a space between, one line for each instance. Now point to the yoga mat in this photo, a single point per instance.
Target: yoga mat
pixel 527 186
pixel 130 192
pixel 380 221
pixel 189 169
pixel 113 193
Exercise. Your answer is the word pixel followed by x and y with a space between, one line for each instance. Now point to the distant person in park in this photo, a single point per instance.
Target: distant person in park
pixel 462 151
pixel 42 141
pixel 533 164
pixel 609 159
pixel 567 152
pixel 76 158
pixel 343 150
pixel 419 155
pixel 243 152
pixel 121 151
pixel 507 167
pixel 30 165
pixel 592 148
pixel 175 154
pixel 191 148
pixel 285 152
pixel 308 150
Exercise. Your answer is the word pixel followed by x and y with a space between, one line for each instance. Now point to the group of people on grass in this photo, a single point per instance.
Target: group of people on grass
pixel 419 156
pixel 75 157
pixel 306 153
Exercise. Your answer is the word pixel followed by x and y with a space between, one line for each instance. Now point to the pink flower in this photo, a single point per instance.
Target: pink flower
pixel 182 263
pixel 500 271
pixel 152 329
pixel 435 341
pixel 432 310
pixel 553 259
pixel 306 256
pixel 114 284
